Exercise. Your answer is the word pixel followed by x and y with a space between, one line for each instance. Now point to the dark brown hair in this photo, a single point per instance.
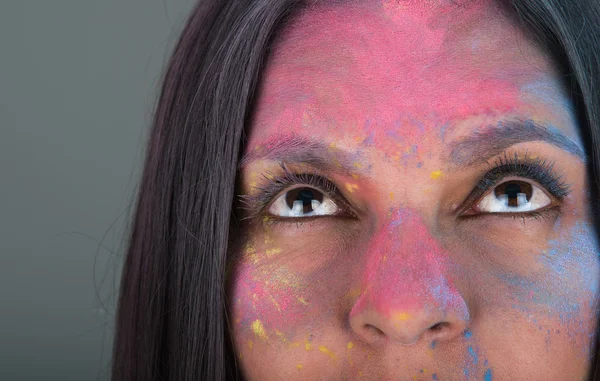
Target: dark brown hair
pixel 171 321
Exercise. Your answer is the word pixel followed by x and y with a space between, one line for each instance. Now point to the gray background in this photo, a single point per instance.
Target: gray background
pixel 78 82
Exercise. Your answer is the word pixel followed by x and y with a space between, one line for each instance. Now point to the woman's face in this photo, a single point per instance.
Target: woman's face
pixel 416 203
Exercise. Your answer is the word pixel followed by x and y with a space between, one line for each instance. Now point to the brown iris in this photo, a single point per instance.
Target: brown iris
pixel 512 189
pixel 306 195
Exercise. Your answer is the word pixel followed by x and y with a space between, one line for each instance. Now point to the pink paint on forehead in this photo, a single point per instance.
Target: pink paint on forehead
pixel 344 67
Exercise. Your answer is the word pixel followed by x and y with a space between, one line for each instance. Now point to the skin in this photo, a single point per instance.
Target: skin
pixel 405 288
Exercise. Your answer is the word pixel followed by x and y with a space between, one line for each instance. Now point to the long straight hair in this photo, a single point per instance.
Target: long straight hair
pixel 171 321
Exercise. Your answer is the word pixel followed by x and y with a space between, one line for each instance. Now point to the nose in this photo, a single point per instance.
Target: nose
pixel 407 296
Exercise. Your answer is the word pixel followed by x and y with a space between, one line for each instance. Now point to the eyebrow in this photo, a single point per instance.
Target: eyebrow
pixel 485 143
pixel 478 147
pixel 297 149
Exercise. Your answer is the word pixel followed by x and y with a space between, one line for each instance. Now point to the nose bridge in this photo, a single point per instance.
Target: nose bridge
pixel 405 285
pixel 404 261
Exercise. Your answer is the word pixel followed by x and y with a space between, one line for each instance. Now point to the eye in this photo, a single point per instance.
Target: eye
pixel 514 196
pixel 303 202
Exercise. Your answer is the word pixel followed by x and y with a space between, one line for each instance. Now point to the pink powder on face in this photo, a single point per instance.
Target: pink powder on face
pixel 405 275
pixel 402 76
pixel 271 294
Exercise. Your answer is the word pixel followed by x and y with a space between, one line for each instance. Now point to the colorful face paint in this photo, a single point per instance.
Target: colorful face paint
pixel 405 115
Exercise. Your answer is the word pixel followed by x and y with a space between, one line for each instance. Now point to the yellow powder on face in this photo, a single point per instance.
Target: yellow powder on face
pixel 299 366
pixel 353 293
pixel 302 300
pixel 436 174
pixel 275 303
pixel 250 344
pixel 259 329
pixel 326 351
pixel 350 345
pixel 403 316
pixel 273 252
pixel 355 176
pixel 351 187
pixel 307 346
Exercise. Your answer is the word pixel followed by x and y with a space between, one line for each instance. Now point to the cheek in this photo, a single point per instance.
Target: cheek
pixel 557 301
pixel 567 282
pixel 267 300
pixel 280 302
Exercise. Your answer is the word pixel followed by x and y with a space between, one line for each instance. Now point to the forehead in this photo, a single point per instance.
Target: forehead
pixel 389 62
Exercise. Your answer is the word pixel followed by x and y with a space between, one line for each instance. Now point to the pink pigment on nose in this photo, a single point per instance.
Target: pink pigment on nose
pixel 405 271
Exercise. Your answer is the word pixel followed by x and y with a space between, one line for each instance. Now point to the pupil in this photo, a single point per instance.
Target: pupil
pixel 306 196
pixel 512 190
pixel 514 193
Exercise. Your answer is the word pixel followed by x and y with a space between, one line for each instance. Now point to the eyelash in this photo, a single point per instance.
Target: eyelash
pixel 255 205
pixel 537 169
pixel 533 168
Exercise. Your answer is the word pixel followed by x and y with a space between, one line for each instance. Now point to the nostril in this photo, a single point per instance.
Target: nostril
pixel 374 330
pixel 438 326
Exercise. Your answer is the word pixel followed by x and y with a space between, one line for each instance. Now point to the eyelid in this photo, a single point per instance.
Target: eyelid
pixel 257 206
pixel 537 170
pixel 474 204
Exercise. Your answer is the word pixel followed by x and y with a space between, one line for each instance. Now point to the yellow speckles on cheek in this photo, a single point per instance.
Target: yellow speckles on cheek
pixel 250 344
pixel 302 300
pixel 355 176
pixel 391 196
pixel 259 330
pixel 351 187
pixel 350 345
pixel 282 337
pixel 307 346
pixel 271 252
pixel 299 366
pixel 326 351
pixel 249 249
pixel 436 174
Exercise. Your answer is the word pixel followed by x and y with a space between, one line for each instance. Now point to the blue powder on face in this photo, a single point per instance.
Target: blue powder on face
pixel 468 334
pixel 434 377
pixel 488 375
pixel 473 355
pixel 397 217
